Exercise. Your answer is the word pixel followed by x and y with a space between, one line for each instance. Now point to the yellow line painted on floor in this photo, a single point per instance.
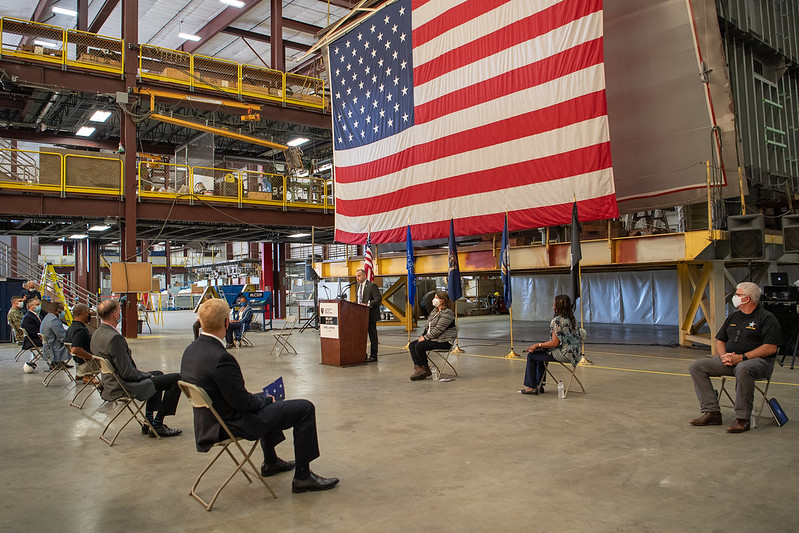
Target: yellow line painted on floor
pixel 599 367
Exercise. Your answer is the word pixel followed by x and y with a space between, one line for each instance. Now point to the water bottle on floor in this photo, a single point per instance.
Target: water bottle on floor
pixel 561 389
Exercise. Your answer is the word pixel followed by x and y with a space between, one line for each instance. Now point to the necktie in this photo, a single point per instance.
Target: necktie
pixel 360 293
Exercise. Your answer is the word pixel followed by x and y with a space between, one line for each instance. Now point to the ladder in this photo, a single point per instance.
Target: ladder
pixel 14 264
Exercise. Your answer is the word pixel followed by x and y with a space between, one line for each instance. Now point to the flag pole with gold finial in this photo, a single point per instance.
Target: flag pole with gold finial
pixel 506 249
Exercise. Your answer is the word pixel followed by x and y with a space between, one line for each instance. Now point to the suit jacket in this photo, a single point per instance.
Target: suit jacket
pixel 31 324
pixel 207 364
pixel 370 296
pixel 52 329
pixel 108 343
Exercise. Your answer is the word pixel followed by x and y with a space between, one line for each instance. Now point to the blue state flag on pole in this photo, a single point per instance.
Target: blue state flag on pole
pixel 454 275
pixel 504 264
pixel 411 272
pixel 577 254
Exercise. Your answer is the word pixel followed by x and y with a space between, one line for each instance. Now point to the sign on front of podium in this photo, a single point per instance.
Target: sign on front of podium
pixel 328 320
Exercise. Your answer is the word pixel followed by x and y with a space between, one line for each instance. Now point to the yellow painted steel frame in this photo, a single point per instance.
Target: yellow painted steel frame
pixel 94 190
pixel 217 131
pixel 173 95
pixel 234 174
pixel 401 314
pixel 160 77
pixel 143 193
pixel 15 52
pixel 295 100
pixel 111 69
pixel 35 186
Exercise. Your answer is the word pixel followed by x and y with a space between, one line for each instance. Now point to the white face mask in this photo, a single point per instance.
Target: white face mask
pixel 436 302
pixel 736 301
pixel 20 304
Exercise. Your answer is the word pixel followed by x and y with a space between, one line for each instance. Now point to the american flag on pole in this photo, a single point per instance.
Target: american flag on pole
pixel 368 266
pixel 470 109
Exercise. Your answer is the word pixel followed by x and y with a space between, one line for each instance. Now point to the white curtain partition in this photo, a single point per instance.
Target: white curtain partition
pixel 648 297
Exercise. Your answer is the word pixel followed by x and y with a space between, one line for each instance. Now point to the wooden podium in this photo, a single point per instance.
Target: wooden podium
pixel 343 327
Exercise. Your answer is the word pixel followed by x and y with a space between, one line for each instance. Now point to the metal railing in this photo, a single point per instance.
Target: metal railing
pixel 35 41
pixel 65 173
pixel 15 264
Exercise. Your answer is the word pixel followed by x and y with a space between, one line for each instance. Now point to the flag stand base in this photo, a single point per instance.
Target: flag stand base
pixel 585 362
pixel 512 355
pixel 457 349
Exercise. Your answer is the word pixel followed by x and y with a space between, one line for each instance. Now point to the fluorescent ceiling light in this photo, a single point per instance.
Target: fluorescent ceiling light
pixel 326 166
pixel 78 236
pixel 298 235
pixel 100 228
pixel 298 141
pixel 85 131
pixel 234 3
pixel 62 11
pixel 100 116
pixel 46 44
pixel 189 36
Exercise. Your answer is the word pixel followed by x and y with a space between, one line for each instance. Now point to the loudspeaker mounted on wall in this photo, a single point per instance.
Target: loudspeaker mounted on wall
pixel 747 236
pixel 790 233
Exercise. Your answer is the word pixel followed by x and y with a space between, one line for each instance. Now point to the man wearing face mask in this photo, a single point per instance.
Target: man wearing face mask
pixel 31 323
pixel 160 390
pixel 52 329
pixel 746 345
pixel 15 316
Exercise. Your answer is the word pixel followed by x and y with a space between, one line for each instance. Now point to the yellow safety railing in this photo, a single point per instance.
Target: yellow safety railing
pixel 94 52
pixel 35 41
pixel 103 175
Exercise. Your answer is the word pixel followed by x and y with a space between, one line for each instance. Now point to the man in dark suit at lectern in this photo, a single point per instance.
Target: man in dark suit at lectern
pixel 367 293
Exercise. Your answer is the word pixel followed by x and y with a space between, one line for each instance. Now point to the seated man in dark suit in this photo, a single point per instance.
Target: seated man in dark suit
pixel 207 364
pixel 79 337
pixel 160 390
pixel 240 323
pixel 31 323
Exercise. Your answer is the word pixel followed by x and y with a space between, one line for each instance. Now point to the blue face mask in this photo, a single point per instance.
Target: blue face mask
pixel 61 315
pixel 38 309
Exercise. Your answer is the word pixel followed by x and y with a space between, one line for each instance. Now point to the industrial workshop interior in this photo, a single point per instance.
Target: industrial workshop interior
pixel 399 265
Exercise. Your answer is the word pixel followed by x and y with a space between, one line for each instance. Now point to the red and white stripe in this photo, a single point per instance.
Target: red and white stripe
pixel 368 266
pixel 510 116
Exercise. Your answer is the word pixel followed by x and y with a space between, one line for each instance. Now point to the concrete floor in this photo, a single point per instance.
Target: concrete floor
pixel 469 455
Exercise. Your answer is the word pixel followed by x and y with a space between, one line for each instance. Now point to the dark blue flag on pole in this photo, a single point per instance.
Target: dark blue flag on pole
pixel 411 272
pixel 504 264
pixel 577 254
pixel 454 275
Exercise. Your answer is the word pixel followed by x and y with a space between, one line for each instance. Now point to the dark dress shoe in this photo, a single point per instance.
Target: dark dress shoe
pixel 271 469
pixel 313 483
pixel 229 345
pixel 711 418
pixel 532 392
pixel 165 431
pixel 739 426
pixel 371 359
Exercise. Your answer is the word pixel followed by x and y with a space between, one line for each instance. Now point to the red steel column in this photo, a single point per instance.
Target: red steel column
pixel 130 34
pixel 276 38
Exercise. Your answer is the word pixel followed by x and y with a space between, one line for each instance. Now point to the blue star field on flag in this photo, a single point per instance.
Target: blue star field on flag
pixel 371 78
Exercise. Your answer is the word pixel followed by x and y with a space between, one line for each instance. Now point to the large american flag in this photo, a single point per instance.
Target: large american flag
pixel 469 109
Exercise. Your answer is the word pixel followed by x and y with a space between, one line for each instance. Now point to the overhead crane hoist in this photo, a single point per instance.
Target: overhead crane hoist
pixel 251 110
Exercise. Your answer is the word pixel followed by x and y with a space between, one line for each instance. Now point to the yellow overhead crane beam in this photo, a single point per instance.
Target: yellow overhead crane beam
pixel 217 131
pixel 175 95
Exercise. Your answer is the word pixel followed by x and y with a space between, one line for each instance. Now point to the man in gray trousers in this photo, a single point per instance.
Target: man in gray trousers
pixel 747 346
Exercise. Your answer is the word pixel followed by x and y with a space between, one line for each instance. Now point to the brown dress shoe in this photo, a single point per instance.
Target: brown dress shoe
pixel 427 372
pixel 739 426
pixel 418 374
pixel 712 418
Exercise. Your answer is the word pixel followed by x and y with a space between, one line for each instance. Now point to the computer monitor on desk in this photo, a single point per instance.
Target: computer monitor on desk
pixel 779 278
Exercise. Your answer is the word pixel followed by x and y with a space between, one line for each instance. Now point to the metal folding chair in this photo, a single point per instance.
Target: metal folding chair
pixel 443 354
pixel 571 369
pixel 36 352
pixel 133 406
pixel 283 337
pixel 762 392
pixel 55 367
pixel 91 385
pixel 200 400
pixel 244 342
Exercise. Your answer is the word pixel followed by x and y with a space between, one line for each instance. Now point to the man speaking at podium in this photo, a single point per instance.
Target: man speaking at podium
pixel 367 293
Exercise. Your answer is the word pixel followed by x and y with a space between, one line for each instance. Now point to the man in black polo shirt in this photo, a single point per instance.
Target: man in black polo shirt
pixel 80 338
pixel 746 345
